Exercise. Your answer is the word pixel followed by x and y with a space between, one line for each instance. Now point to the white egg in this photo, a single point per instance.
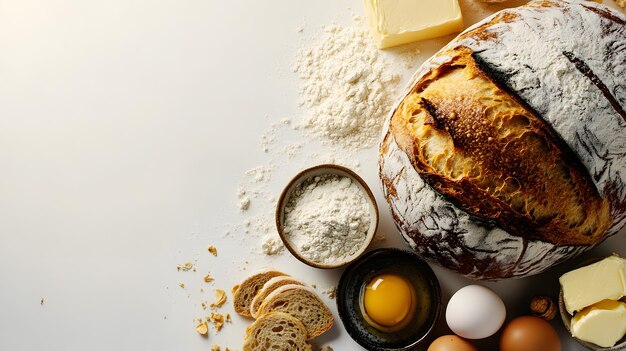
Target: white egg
pixel 475 312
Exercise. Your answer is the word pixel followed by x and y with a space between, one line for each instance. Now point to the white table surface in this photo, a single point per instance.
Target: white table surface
pixel 126 127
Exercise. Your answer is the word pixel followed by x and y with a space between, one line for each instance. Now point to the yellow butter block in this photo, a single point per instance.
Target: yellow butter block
pixel 603 323
pixel 396 22
pixel 587 285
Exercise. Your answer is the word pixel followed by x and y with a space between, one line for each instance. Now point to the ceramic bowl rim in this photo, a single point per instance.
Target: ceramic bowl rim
pixel 334 169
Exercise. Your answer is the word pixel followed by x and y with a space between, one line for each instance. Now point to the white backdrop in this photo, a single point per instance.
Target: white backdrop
pixel 126 127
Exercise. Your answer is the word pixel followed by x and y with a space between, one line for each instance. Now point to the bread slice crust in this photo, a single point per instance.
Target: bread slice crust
pixel 246 290
pixel 302 303
pixel 267 288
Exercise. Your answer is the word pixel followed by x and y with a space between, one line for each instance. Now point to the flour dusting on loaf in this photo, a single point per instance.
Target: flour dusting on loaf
pixel 506 154
pixel 541 66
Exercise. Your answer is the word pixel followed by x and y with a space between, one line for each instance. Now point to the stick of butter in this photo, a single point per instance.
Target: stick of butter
pixel 602 324
pixel 396 22
pixel 602 280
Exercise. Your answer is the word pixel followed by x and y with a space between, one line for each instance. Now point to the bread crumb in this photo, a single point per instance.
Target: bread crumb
pixel 208 278
pixel 217 319
pixel 212 250
pixel 202 328
pixel 41 301
pixel 216 348
pixel 331 292
pixel 228 319
pixel 185 267
pixel 326 348
pixel 234 288
pixel 203 304
pixel 314 286
pixel 182 285
pixel 220 298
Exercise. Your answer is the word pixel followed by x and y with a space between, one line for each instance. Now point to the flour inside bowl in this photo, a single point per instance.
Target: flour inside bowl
pixel 327 218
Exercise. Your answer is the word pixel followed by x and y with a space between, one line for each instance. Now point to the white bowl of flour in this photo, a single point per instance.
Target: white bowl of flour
pixel 327 216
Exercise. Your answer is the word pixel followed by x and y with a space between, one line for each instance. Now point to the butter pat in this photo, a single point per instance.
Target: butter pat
pixel 591 284
pixel 396 22
pixel 603 324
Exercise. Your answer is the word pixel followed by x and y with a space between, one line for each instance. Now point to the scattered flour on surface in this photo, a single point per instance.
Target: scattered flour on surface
pixel 327 218
pixel 260 174
pixel 292 150
pixel 269 138
pixel 346 87
pixel 410 57
pixel 253 185
pixel 244 200
pixel 272 245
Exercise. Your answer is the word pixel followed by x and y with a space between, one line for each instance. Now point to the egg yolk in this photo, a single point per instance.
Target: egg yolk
pixel 388 299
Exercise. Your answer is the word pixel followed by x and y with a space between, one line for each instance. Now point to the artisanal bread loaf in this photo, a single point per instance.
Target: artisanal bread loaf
pixel 507 154
pixel 303 304
pixel 245 292
pixel 276 331
pixel 267 288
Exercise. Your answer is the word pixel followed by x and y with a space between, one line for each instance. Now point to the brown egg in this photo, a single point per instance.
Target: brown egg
pixel 529 333
pixel 451 343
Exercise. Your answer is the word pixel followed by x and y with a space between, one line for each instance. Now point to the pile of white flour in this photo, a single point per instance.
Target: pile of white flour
pixel 327 218
pixel 346 87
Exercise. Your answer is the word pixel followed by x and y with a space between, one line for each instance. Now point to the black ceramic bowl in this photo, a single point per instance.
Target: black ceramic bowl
pixel 383 261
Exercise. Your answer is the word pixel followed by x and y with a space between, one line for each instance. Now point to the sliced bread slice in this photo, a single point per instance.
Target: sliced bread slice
pixel 300 302
pixel 276 331
pixel 267 288
pixel 245 292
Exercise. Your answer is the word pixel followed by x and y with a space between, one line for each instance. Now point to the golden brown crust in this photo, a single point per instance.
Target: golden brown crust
pixel 245 292
pixel 267 288
pixel 482 148
pixel 302 303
